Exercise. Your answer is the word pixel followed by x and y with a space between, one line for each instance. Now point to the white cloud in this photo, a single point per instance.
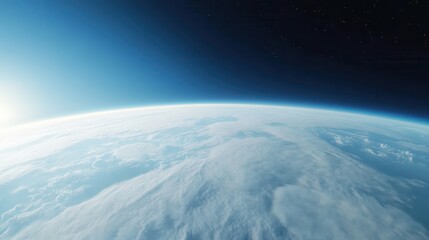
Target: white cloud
pixel 206 183
pixel 135 151
pixel 307 213
pixel 404 154
pixel 338 140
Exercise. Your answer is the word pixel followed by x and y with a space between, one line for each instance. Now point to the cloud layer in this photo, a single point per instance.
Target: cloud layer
pixel 215 172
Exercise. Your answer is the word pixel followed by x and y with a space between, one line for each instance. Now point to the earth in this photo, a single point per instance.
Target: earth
pixel 216 171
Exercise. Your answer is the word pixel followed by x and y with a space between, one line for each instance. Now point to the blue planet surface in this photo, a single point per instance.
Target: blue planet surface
pixel 215 171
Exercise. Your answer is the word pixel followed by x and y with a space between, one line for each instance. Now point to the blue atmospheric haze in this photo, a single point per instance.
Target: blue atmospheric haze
pixel 60 60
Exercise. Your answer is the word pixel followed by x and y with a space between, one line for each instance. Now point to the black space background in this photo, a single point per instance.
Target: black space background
pixel 364 54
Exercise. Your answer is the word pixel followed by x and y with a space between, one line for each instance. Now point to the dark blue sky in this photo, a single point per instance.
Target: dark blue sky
pixel 65 57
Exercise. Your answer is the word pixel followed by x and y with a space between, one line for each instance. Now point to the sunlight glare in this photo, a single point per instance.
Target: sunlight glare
pixel 7 114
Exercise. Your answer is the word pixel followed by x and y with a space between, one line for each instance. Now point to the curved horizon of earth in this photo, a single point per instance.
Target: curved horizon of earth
pixel 215 171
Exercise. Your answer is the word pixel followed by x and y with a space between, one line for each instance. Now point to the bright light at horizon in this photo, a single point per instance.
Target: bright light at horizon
pixel 15 102
pixel 7 115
